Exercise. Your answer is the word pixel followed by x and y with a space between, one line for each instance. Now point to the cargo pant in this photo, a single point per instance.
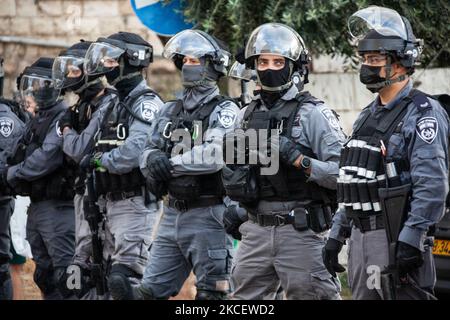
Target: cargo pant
pixel 51 234
pixel 193 240
pixel 83 243
pixel 6 210
pixel 271 256
pixel 368 255
pixel 128 232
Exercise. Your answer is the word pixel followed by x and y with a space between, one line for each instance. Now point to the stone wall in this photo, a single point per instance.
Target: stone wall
pixel 59 24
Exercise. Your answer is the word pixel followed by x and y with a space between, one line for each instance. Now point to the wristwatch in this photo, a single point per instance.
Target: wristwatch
pixel 306 163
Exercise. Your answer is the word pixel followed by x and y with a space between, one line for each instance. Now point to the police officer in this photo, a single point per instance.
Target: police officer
pixel 184 156
pixel 398 150
pixel 79 124
pixel 288 209
pixel 130 209
pixel 12 127
pixel 46 176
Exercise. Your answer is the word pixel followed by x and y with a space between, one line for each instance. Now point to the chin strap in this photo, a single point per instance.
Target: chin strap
pixel 87 84
pixel 121 76
pixel 377 86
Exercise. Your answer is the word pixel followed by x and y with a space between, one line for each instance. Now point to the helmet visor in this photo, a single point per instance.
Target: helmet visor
pixel 101 58
pixel 240 72
pixel 385 21
pixel 67 71
pixel 188 43
pixel 41 89
pixel 275 38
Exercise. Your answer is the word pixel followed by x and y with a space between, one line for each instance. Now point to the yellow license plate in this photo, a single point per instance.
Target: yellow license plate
pixel 441 247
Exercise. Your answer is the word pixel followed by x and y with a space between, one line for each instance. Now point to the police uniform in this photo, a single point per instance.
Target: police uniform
pixel 130 209
pixel 272 252
pixel 47 176
pixel 416 149
pixel 190 234
pixel 78 142
pixel 12 127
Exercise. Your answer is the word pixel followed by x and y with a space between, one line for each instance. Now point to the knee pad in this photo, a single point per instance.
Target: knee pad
pixel 210 295
pixel 119 283
pixel 6 292
pixel 43 277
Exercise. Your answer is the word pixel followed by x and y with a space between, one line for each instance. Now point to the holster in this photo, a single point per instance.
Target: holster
pixel 394 205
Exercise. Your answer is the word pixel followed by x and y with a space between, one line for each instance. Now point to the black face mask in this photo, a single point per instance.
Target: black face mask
pixel 91 91
pixel 371 75
pixel 275 78
pixel 112 75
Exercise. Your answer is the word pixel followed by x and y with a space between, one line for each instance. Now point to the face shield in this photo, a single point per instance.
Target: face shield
pixel 67 71
pixel 275 38
pixel 239 71
pixel 101 58
pixel 40 90
pixel 386 22
pixel 189 43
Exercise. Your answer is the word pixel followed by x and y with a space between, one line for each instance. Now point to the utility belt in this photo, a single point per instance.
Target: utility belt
pixel 318 218
pixel 186 205
pixel 122 195
pixel 106 182
pixel 369 223
pixel 55 187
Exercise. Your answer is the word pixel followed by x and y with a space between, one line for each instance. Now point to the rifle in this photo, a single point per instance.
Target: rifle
pixel 93 216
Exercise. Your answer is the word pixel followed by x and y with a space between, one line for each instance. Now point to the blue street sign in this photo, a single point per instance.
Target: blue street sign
pixel 159 17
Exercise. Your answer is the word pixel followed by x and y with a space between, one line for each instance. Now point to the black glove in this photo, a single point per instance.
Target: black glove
pixel 287 149
pixel 159 166
pixel 233 217
pixel 330 253
pixel 409 258
pixel 157 188
pixel 67 120
pixel 91 161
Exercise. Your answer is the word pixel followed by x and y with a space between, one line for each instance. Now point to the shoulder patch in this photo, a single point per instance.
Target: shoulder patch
pixel 227 117
pixel 427 129
pixel 329 115
pixel 6 126
pixel 149 110
pixel 58 130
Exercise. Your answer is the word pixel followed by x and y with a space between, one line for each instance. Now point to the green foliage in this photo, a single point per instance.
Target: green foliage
pixel 321 23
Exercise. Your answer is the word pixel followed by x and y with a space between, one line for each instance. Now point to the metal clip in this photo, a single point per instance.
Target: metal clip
pixel 121 132
pixel 166 127
pixel 280 126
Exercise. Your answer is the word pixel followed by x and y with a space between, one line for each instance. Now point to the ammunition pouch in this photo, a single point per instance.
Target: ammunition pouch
pixel 240 183
pixel 318 218
pixel 184 187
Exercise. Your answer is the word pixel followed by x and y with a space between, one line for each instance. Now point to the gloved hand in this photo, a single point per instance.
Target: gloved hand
pixel 157 188
pixel 409 258
pixel 67 120
pixel 233 217
pixel 91 161
pixel 287 149
pixel 159 166
pixel 330 253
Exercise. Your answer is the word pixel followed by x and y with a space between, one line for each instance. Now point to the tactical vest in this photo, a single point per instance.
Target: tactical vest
pixel 193 186
pixel 86 109
pixel 8 127
pixel 289 183
pixel 364 166
pixel 57 185
pixel 114 131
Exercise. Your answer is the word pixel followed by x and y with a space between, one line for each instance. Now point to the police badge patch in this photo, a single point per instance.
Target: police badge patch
pixel 148 110
pixel 427 129
pixel 334 122
pixel 6 126
pixel 227 117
